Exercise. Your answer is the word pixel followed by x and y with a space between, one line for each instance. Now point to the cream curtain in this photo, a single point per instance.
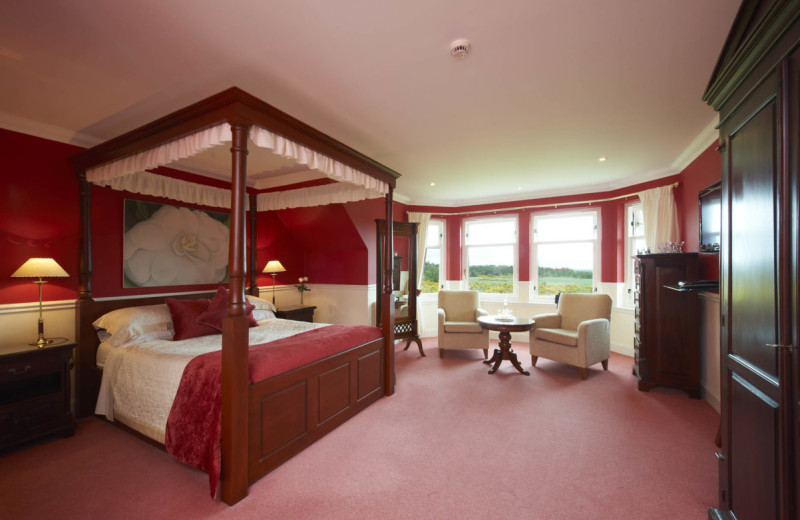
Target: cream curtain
pixel 660 217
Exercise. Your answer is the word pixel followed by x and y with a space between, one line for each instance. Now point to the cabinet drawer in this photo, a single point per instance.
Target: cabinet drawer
pixel 28 367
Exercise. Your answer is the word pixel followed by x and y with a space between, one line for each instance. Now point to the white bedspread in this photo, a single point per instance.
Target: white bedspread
pixel 140 381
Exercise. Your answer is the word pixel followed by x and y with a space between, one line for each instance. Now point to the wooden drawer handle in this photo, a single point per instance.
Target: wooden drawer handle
pixel 18 372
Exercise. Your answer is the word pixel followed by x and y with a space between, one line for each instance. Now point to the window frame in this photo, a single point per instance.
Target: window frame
pixel 515 255
pixel 440 223
pixel 534 295
pixel 628 281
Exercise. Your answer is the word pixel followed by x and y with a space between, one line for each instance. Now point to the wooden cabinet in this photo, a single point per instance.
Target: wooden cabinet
pixel 34 393
pixel 666 324
pixel 296 313
pixel 756 89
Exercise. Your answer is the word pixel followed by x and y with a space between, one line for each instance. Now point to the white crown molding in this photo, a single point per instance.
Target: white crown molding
pixel 522 198
pixel 707 137
pixel 45 131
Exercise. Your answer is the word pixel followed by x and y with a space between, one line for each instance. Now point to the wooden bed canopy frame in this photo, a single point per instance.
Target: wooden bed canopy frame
pixel 240 110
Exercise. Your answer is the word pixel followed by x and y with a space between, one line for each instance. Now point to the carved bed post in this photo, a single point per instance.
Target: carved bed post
pixel 85 393
pixel 235 342
pixel 387 298
pixel 253 256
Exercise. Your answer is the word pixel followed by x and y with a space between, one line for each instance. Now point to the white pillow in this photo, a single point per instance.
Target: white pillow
pixel 126 324
pixel 260 303
pixel 262 314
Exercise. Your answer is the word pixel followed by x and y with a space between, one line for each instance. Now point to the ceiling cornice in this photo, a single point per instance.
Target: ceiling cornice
pixel 45 131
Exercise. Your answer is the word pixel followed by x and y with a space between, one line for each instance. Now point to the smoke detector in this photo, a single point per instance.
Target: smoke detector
pixel 459 49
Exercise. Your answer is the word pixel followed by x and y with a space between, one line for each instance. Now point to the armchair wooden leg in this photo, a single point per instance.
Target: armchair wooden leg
pixel 534 359
pixel 441 353
pixel 605 364
pixel 486 353
pixel 582 370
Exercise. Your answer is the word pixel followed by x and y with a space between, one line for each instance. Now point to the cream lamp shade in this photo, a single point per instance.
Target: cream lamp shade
pixel 40 268
pixel 273 267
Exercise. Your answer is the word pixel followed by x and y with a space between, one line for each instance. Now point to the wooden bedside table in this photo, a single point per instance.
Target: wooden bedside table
pixel 34 393
pixel 296 313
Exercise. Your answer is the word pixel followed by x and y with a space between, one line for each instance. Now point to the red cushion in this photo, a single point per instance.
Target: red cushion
pixel 184 318
pixel 218 309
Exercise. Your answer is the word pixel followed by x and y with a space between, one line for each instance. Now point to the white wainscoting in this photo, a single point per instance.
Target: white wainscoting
pixel 341 304
pixel 20 321
pixel 355 304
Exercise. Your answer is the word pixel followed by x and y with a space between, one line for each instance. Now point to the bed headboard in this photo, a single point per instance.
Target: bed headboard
pixel 87 310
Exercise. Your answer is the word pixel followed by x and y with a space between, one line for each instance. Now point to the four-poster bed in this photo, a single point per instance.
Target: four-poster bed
pixel 314 398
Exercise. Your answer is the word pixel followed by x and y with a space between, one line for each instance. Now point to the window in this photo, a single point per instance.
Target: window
pixel 433 275
pixel 490 254
pixel 565 253
pixel 634 243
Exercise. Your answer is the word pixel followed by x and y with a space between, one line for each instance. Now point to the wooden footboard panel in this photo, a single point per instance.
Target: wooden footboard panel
pixel 289 412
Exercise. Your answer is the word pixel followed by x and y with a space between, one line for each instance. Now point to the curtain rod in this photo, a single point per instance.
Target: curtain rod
pixel 534 206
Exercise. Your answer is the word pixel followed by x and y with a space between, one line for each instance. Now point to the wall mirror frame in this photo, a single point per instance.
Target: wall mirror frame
pixel 404 280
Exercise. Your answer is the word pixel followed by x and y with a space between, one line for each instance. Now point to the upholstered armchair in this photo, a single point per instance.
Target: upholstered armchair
pixel 579 333
pixel 458 322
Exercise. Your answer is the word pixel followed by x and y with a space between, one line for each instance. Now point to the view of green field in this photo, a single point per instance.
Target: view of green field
pixel 564 280
pixel 498 279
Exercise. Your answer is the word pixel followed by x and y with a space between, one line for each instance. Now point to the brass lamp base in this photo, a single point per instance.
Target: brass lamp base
pixel 41 342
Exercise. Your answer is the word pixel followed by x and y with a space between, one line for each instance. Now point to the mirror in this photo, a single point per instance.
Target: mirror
pixel 404 280
pixel 710 200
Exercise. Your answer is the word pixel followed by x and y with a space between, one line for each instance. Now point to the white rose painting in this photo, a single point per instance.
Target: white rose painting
pixel 167 245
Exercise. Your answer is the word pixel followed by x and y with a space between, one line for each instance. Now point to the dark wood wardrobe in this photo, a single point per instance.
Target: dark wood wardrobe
pixel 756 89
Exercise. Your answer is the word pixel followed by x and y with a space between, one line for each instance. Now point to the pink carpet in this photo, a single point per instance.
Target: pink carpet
pixel 453 442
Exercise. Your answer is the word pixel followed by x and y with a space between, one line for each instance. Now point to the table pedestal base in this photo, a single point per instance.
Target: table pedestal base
pixel 505 352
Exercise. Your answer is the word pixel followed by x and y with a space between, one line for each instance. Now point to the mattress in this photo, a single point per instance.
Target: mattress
pixel 140 380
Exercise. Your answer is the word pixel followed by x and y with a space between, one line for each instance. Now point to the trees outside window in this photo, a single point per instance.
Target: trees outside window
pixel 565 253
pixel 433 273
pixel 490 255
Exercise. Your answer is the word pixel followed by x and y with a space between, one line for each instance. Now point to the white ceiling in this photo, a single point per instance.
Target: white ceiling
pixel 550 85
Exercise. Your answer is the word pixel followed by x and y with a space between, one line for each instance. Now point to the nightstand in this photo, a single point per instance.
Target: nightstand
pixel 296 313
pixel 34 393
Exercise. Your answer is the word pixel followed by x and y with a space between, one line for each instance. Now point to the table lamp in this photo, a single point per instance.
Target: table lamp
pixel 274 267
pixel 40 268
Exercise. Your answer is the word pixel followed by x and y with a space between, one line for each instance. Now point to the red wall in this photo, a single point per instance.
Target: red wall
pixel 704 171
pixel 38 215
pixel 333 244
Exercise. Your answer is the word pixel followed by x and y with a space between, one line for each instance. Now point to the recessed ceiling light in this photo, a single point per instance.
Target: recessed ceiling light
pixel 601 159
pixel 519 187
pixel 433 184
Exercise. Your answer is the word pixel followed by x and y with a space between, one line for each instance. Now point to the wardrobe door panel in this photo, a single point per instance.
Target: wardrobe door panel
pixel 749 367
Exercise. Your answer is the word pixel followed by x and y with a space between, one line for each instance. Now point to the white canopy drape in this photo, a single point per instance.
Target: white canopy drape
pixel 129 173
pixel 660 217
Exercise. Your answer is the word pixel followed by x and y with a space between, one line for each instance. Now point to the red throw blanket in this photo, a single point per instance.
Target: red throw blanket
pixel 194 426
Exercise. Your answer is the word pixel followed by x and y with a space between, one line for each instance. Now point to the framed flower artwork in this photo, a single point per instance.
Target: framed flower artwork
pixel 169 245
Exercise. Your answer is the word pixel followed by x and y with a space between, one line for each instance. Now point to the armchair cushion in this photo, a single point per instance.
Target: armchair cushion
pixel 560 336
pixel 462 326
